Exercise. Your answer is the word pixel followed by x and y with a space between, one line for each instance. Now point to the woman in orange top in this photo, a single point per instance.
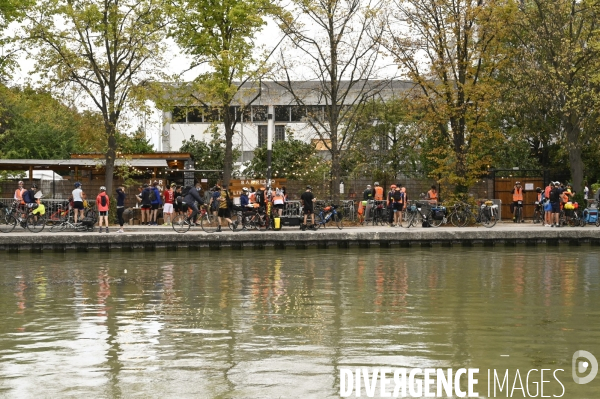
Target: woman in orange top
pixel 103 203
pixel 432 194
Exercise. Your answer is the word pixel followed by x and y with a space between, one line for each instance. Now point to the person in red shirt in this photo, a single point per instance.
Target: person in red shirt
pixel 169 196
pixel 103 203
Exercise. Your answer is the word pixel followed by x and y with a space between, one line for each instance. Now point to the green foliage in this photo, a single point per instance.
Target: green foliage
pixel 134 144
pixel 221 34
pixel 102 50
pixel 35 125
pixel 208 155
pixel 291 158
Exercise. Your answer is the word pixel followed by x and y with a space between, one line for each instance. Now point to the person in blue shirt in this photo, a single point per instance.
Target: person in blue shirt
pixel 156 203
pixel 120 207
pixel 244 201
pixel 29 196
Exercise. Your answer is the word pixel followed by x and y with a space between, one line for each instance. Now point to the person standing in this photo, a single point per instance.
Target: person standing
pixel 308 200
pixel 225 202
pixel 120 207
pixel 432 195
pixel 278 202
pixel 155 203
pixel 19 193
pixel 103 204
pixel 399 200
pixel 169 197
pixel 378 192
pixel 517 197
pixel 78 196
pixel 146 204
pixel 555 201
pixel 390 205
pixel 548 208
pixel 586 191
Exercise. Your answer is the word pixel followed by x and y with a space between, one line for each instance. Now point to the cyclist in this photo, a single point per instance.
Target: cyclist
pixel 190 200
pixel 398 197
pixel 78 196
pixel 432 195
pixel 28 197
pixel 103 204
pixel 19 195
pixel 308 199
pixel 378 192
pixel 555 201
pixel 517 197
pixel 390 205
pixel 224 203
pixel 278 202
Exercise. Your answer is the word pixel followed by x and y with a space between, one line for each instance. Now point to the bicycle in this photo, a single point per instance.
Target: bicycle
pixel 29 219
pixel 538 213
pixel 252 219
pixel 518 214
pixel 380 213
pixel 413 213
pixel 329 213
pixel 69 224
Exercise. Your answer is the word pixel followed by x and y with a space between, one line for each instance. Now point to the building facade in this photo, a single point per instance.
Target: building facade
pixel 294 103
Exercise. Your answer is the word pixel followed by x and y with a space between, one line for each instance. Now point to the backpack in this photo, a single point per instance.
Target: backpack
pixel 259 197
pixel 103 200
pixel 152 195
pixel 185 191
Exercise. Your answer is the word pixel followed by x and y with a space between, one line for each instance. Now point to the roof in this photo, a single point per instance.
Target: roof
pixel 277 92
pixel 17 164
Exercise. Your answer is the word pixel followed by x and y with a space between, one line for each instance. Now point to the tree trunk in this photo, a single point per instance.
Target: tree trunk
pixel 335 176
pixel 573 134
pixel 228 158
pixel 111 154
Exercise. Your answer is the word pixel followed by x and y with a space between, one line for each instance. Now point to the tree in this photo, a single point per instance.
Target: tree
pixel 555 55
pixel 208 155
pixel 102 50
pixel 134 144
pixel 292 158
pixel 451 51
pixel 386 142
pixel 35 125
pixel 10 10
pixel 337 41
pixel 221 33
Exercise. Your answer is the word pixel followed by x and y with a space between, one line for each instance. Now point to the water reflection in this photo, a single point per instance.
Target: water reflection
pixel 281 324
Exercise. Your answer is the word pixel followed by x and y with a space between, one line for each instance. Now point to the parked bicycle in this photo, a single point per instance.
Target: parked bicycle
pixel 327 214
pixel 31 219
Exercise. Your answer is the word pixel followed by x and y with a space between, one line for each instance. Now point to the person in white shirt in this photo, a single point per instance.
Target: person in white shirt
pixel 586 191
pixel 78 196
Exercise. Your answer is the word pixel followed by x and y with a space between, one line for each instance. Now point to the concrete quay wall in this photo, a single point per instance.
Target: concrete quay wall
pixel 328 238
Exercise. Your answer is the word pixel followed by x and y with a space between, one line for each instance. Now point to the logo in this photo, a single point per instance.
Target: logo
pixel 582 366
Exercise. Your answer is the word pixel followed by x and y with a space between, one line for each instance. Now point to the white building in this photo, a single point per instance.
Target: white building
pixel 291 105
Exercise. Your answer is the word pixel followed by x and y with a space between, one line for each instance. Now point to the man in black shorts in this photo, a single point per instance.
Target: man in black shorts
pixel 308 200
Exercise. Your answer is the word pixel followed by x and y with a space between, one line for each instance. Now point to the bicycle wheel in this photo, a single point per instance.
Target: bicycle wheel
pixel 209 223
pixel 489 220
pixel 35 223
pixel 410 217
pixel 337 218
pixel 180 224
pixel 58 226
pixel 7 222
pixel 458 219
pixel 537 216
pixel 433 221
pixel 237 222
pixel 320 221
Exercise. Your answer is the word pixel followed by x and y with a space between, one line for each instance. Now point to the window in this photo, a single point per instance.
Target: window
pixel 297 113
pixel 315 112
pixel 259 113
pixel 211 114
pixel 282 113
pixel 279 133
pixel 263 134
pixel 194 114
pixel 178 115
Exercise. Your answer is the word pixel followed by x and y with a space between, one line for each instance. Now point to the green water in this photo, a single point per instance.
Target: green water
pixel 281 324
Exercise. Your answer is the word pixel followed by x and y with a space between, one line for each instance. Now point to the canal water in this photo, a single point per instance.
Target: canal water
pixel 282 324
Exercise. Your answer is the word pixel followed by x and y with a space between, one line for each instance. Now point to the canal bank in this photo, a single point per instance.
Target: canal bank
pixel 152 238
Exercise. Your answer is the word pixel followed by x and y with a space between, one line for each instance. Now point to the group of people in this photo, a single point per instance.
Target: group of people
pixel 554 197
pixel 396 200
